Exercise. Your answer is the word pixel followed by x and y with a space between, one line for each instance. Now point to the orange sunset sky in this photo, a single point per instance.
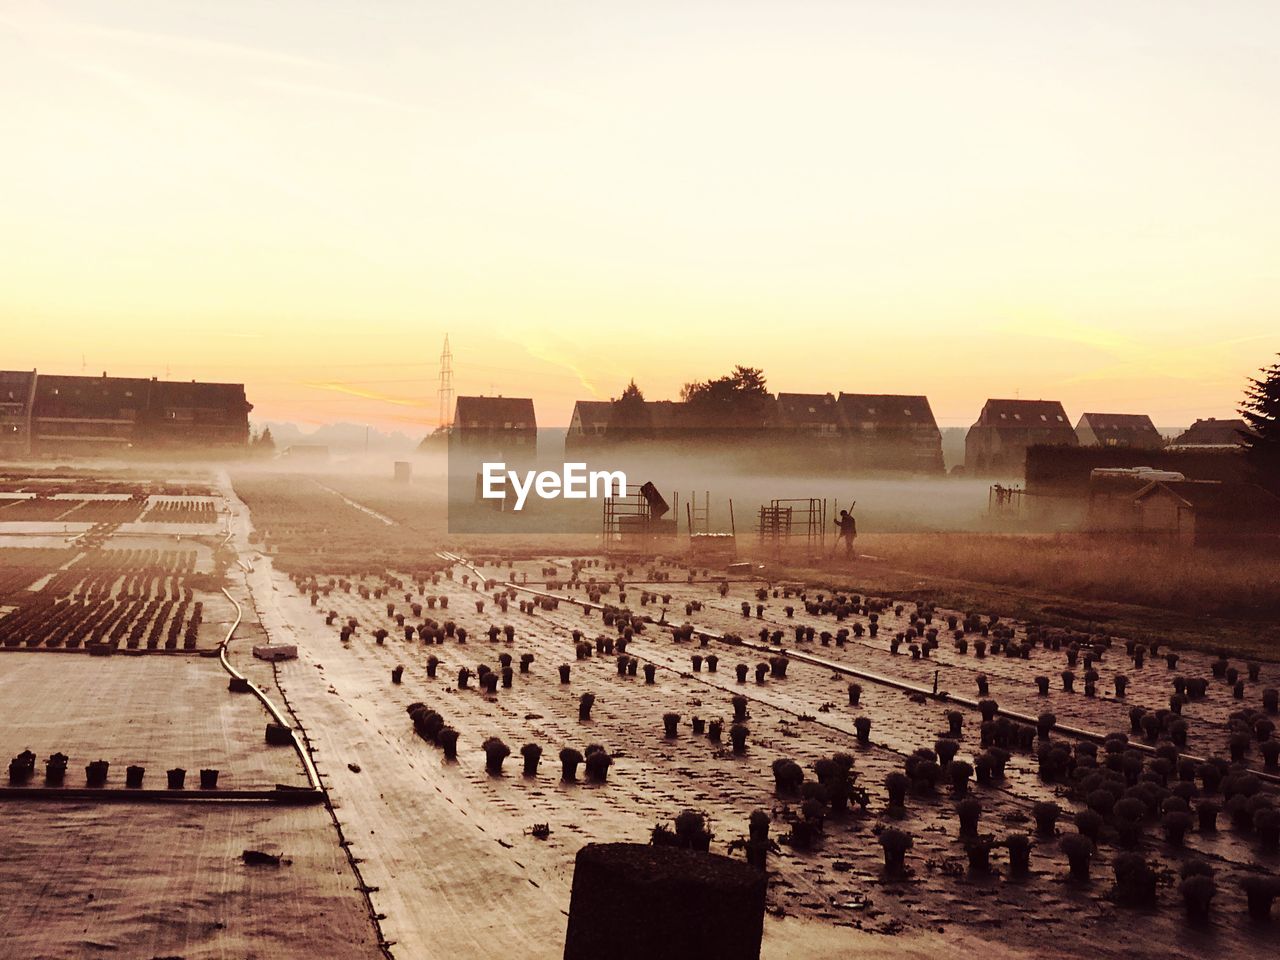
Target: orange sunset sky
pixel 1070 200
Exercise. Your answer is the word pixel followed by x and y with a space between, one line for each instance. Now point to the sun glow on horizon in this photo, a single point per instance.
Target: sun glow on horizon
pixel 1064 200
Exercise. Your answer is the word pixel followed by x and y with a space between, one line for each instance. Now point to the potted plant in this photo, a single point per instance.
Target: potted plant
pixel 532 754
pixel 855 694
pixel 597 763
pixel 1046 817
pixel 1260 891
pixel 570 759
pixel 862 726
pixel 1176 823
pixel 738 737
pixel 1079 851
pixel 714 729
pixel 1198 891
pixel 177 777
pixel 208 779
pixel 969 811
pixel 564 672
pixel 787 776
pixel 495 752
pixel 649 671
pixel 1019 847
pixel 959 773
pixel 585 703
pixel 448 740
pixel 895 843
pixel 671 723
pixel 692 832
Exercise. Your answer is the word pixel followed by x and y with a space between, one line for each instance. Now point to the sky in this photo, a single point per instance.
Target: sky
pixel 1061 200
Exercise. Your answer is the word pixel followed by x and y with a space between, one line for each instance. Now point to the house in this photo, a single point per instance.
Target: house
pixel 588 425
pixel 503 426
pixel 213 413
pixel 890 432
pixel 1213 433
pixel 1118 430
pixel 997 443
pixel 17 398
pixel 805 415
pixel 1207 512
pixel 80 415
pixel 88 415
pixel 858 431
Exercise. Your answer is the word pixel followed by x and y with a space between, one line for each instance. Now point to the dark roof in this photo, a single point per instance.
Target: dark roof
pixel 886 410
pixel 593 412
pixel 494 411
pixel 177 393
pixel 798 408
pixel 1212 432
pixel 1121 426
pixel 1218 497
pixel 17 382
pixel 1024 413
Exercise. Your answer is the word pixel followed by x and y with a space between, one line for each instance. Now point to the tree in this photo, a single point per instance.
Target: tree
pixel 1261 411
pixel 743 392
pixel 629 418
pixel 264 445
pixel 631 393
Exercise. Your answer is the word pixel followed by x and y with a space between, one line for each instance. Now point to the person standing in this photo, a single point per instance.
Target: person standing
pixel 848 530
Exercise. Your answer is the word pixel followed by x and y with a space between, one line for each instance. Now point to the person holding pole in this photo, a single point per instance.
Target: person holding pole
pixel 848 530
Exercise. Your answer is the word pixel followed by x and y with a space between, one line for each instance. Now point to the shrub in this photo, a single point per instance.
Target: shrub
pixel 532 754
pixel 1046 817
pixel 495 752
pixel 787 776
pixel 1260 891
pixel 969 811
pixel 691 831
pixel 1079 851
pixel 895 843
pixel 1197 893
pixel 1019 847
pixel 1176 823
pixel 597 763
pixel 863 727
pixel 570 759
pixel 946 748
pixel 671 723
pixel 448 740
pixel 896 784
pixel 1089 823
pixel 1135 880
pixel 959 773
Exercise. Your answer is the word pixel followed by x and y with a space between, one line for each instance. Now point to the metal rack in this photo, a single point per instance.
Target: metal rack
pixel 785 524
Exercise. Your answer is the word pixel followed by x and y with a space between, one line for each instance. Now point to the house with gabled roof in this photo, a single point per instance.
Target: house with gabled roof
pixel 997 443
pixel 1118 430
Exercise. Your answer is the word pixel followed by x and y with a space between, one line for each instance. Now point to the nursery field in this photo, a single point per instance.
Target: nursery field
pixel 915 771
pixel 1028 789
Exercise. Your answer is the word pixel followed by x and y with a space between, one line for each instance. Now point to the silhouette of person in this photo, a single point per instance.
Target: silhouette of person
pixel 848 530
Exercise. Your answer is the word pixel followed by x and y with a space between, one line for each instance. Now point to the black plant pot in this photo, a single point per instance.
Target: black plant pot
pixel 95 773
pixel 133 776
pixel 208 779
pixel 176 777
